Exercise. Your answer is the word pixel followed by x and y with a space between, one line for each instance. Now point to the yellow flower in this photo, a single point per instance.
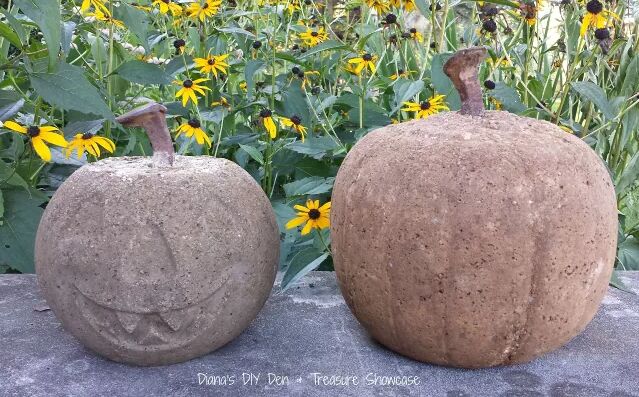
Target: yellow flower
pixel 304 76
pixel 189 88
pixel 313 215
pixel 295 122
pixel 427 108
pixel 98 4
pixel 401 73
pixel 194 128
pixel 313 37
pixel 414 34
pixel 200 11
pixel 293 5
pixel 243 86
pixel 89 142
pixel 362 62
pixel 222 102
pixel 596 17
pixel 106 17
pixel 38 136
pixel 168 6
pixel 269 123
pixel 380 6
pixel 409 5
pixel 496 103
pixel 212 64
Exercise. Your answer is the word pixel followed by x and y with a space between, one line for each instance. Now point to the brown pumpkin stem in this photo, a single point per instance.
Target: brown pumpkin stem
pixel 152 118
pixel 462 69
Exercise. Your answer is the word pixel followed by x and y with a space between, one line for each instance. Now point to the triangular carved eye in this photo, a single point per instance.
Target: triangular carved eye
pixel 177 319
pixel 129 321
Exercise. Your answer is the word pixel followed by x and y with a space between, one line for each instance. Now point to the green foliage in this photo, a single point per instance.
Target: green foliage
pixel 61 68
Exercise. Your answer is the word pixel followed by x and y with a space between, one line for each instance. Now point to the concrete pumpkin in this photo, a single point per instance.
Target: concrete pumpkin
pixel 157 260
pixel 473 238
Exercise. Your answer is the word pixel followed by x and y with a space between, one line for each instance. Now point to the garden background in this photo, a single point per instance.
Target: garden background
pixel 286 87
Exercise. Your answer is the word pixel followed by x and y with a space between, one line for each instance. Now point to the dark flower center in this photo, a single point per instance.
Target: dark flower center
pixel 179 43
pixel 194 123
pixel 301 74
pixel 87 135
pixel 602 34
pixel 265 113
pixel 205 6
pixel 33 131
pixel 314 34
pixel 211 61
pixel 296 120
pixel 391 18
pixel 594 7
pixel 425 105
pixel 166 1
pixel 257 44
pixel 295 70
pixel 413 30
pixel 367 57
pixel 187 83
pixel 489 84
pixel 314 214
pixel 490 26
pixel 400 71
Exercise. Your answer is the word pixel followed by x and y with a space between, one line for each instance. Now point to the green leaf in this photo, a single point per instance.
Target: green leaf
pixel 616 282
pixel 302 263
pixel 10 103
pixel 17 233
pixel 46 14
pixel 629 175
pixel 252 67
pixel 8 176
pixel 1 208
pixel 8 33
pixel 143 73
pixel 508 97
pixel 595 94
pixel 137 22
pixel 69 89
pixel 628 253
pixel 254 153
pixel 316 147
pixel 325 46
pixel 405 90
pixel 15 24
pixel 309 186
pixel 441 82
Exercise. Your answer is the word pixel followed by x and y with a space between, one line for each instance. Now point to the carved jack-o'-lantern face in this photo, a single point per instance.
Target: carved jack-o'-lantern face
pixel 157 265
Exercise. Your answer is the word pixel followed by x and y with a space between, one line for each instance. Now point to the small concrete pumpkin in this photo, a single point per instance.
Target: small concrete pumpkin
pixel 473 238
pixel 157 260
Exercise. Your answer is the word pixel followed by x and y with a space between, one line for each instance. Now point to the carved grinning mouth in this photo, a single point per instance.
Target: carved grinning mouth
pixel 139 331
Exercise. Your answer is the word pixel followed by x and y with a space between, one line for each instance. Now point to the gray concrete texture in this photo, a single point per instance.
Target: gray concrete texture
pixel 305 330
pixel 156 265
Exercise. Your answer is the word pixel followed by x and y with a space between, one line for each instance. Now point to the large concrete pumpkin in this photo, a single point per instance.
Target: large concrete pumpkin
pixel 156 261
pixel 473 238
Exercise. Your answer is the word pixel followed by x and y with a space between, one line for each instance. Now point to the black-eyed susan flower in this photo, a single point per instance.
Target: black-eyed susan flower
pixel 312 215
pixel 179 45
pixel 167 6
pixel 295 123
pixel 266 115
pixel 312 37
pixel 360 63
pixel 401 73
pixel 98 4
pixel 380 6
pixel 90 143
pixel 189 88
pixel 304 76
pixel 212 64
pixel 596 17
pixel 222 102
pixel 415 35
pixel 244 86
pixel 105 17
pixel 39 135
pixel 202 10
pixel 433 105
pixel 193 128
pixel 528 11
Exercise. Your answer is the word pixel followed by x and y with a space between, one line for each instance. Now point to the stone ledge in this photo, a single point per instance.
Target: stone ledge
pixel 307 330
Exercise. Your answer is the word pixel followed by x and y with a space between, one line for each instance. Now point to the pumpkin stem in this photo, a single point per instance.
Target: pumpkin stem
pixel 462 69
pixel 152 118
